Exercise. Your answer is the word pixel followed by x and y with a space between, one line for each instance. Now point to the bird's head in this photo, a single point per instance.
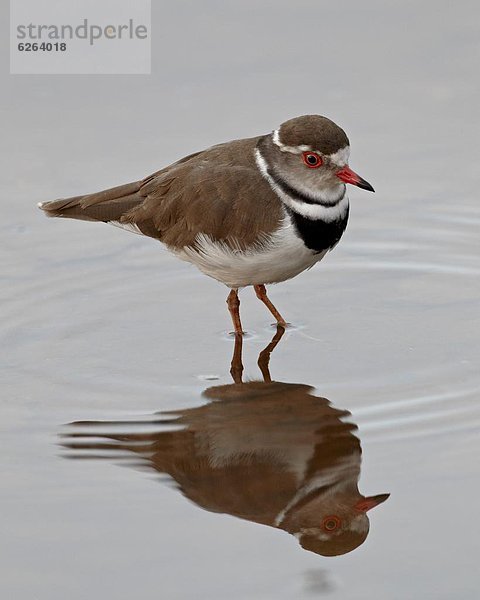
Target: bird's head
pixel 309 155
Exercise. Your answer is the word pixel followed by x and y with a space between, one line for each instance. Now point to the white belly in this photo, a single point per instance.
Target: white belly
pixel 280 257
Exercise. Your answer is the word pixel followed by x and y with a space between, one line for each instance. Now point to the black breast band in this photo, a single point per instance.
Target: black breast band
pixel 319 235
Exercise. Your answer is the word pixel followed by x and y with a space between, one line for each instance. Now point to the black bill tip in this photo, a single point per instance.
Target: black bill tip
pixel 365 185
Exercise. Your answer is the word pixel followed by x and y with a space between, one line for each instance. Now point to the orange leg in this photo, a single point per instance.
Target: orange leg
pixel 262 295
pixel 233 303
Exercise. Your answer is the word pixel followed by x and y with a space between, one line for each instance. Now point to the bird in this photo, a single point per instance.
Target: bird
pixel 269 452
pixel 249 212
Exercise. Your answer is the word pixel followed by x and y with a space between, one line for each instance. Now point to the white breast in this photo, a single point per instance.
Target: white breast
pixel 278 257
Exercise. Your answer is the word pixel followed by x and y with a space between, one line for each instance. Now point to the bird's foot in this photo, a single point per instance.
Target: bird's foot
pixel 240 333
pixel 283 324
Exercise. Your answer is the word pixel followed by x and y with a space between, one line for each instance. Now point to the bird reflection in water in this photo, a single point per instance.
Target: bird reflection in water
pixel 266 451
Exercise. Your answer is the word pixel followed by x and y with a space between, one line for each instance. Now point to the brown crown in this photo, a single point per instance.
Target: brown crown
pixel 313 130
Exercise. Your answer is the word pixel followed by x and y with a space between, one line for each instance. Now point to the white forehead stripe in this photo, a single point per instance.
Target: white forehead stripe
pixel 284 148
pixel 340 157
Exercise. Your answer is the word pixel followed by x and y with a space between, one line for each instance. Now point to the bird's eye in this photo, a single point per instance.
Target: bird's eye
pixel 312 160
pixel 331 523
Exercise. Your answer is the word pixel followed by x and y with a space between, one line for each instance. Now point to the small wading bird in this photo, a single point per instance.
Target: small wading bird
pixel 248 212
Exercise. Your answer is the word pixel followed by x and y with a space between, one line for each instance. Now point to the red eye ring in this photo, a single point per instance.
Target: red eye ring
pixel 312 160
pixel 331 523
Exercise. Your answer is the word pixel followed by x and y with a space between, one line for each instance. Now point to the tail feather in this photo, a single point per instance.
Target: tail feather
pixel 107 205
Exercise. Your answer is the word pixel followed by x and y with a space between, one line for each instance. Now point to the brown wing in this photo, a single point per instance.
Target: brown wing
pixel 106 206
pixel 218 192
